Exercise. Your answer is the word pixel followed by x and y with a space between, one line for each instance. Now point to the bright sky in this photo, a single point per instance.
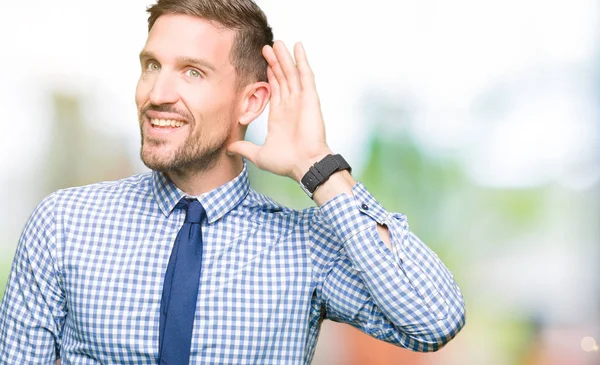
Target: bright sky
pixel 532 59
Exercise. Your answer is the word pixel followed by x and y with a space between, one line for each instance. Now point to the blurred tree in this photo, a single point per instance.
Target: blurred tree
pixel 77 154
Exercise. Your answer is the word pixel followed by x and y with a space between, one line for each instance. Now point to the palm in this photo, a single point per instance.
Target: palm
pixel 296 132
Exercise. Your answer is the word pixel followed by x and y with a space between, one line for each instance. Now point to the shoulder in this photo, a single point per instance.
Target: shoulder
pixel 264 207
pixel 106 192
pixel 84 202
pixel 306 224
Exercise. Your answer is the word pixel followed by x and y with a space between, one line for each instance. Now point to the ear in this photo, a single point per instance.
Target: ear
pixel 255 99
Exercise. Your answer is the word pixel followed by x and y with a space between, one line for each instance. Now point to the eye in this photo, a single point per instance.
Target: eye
pixel 193 73
pixel 152 66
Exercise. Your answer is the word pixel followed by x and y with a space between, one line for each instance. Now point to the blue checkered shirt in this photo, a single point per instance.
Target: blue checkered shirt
pixel 88 273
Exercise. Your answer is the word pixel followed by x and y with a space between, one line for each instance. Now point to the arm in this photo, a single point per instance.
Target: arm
pixel 401 293
pixel 33 308
pixel 386 281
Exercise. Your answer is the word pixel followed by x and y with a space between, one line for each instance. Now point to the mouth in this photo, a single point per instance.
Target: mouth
pixel 161 128
pixel 166 123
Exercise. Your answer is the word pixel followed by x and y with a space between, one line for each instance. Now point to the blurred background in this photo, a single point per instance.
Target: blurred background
pixel 480 120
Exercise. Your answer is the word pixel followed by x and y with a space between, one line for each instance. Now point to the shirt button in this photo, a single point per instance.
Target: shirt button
pixel 364 206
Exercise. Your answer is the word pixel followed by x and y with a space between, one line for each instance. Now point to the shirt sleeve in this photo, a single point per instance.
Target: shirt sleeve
pixel 405 296
pixel 32 311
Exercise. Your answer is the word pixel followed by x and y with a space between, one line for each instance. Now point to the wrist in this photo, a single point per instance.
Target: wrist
pixel 340 182
pixel 321 172
pixel 305 164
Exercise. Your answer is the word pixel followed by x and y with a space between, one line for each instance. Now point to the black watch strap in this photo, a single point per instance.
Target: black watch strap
pixel 321 171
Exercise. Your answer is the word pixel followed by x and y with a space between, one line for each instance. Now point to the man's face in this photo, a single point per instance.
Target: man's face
pixel 186 93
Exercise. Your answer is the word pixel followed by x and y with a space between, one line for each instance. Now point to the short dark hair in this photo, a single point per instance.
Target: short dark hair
pixel 244 16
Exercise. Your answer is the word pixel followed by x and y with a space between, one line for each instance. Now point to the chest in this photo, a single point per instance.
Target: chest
pixel 254 289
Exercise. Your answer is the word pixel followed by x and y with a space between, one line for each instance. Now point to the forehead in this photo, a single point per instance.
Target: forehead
pixel 177 35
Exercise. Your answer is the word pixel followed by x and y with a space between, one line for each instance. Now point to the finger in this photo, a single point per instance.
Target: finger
pixel 246 149
pixel 288 65
pixel 307 77
pixel 271 58
pixel 275 92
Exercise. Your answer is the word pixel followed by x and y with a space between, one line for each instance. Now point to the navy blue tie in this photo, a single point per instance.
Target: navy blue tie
pixel 180 290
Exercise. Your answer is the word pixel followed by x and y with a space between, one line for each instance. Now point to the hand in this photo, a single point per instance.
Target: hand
pixel 296 131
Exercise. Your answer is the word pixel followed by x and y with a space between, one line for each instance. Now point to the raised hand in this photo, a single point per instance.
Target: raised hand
pixel 296 131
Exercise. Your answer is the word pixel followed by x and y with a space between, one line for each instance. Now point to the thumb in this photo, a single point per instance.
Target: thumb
pixel 246 149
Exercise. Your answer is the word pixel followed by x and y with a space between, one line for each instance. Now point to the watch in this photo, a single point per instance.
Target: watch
pixel 321 171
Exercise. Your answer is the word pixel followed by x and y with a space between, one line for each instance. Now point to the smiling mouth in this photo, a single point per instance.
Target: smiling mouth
pixel 167 123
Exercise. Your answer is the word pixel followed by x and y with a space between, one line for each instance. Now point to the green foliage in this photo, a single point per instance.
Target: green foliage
pixel 406 180
pixel 5 265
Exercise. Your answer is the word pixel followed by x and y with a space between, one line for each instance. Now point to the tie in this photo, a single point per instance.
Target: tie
pixel 180 290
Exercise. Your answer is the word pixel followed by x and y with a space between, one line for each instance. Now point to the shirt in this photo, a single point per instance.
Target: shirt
pixel 87 277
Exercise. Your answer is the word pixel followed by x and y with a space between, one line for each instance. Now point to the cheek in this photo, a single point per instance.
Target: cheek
pixel 209 103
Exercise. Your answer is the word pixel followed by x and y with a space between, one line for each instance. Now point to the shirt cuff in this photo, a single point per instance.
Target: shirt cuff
pixel 353 214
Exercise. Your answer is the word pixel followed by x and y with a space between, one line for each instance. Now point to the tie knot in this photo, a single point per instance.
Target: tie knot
pixel 194 210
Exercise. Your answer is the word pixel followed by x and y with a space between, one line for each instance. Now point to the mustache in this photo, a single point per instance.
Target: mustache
pixel 167 108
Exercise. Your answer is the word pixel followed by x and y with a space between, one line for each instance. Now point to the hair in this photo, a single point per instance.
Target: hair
pixel 244 16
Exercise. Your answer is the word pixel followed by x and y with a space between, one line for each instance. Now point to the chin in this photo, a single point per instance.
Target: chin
pixel 156 164
pixel 156 158
pixel 189 157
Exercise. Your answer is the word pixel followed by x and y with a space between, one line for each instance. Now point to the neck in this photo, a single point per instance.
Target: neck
pixel 225 168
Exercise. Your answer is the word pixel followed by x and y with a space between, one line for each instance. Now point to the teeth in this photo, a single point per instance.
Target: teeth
pixel 167 122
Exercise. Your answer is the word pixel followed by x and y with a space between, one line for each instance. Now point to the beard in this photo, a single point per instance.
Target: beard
pixel 195 154
pixel 191 156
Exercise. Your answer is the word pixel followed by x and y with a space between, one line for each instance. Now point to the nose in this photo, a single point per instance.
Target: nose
pixel 163 90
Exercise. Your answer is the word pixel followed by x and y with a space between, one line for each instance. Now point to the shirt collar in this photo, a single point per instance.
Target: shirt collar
pixel 216 202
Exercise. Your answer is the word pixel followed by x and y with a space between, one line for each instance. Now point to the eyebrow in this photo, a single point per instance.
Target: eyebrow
pixel 189 60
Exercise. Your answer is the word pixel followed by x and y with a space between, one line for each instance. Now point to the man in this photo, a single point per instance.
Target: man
pixel 187 264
